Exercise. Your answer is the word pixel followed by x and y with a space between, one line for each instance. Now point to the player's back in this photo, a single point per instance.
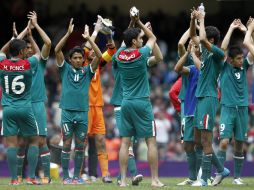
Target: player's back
pixel 133 69
pixel 16 80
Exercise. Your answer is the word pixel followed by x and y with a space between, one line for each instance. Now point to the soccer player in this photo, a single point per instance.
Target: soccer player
pixel 18 116
pixel 116 100
pixel 74 101
pixel 190 74
pixel 38 95
pixel 96 124
pixel 234 97
pixel 206 92
pixel 136 109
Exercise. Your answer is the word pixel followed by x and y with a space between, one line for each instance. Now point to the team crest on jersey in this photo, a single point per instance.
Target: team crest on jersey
pixel 125 56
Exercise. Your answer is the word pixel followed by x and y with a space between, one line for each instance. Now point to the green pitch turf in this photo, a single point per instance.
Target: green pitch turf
pixel 144 185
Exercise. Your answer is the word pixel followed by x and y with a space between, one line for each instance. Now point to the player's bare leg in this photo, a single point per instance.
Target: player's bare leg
pixel 152 156
pixel 123 159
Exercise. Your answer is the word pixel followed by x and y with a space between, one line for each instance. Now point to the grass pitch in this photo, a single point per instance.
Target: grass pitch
pixel 144 185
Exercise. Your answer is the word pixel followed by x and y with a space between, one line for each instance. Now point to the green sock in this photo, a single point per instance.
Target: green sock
pixel 238 164
pixel 65 158
pixel 199 156
pixel 12 161
pixel 78 159
pixel 20 160
pixel 45 160
pixel 221 155
pixel 206 166
pixel 191 159
pixel 32 159
pixel 217 163
pixel 132 166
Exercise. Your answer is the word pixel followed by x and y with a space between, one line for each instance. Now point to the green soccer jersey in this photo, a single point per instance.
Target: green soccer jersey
pixel 75 87
pixel 185 81
pixel 234 86
pixel 117 93
pixel 38 89
pixel 16 81
pixel 133 72
pixel 211 66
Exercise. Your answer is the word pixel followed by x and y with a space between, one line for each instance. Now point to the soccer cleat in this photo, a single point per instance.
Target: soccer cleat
pixel 93 179
pixel 14 182
pixel 136 179
pixel 238 181
pixel 199 183
pixel 20 179
pixel 32 181
pixel 186 182
pixel 67 181
pixel 107 179
pixel 78 181
pixel 45 180
pixel 210 181
pixel 220 176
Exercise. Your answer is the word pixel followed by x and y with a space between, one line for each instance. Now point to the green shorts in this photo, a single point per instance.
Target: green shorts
pixel 234 120
pixel 137 119
pixel 19 121
pixel 188 124
pixel 117 111
pixel 40 116
pixel 74 122
pixel 206 112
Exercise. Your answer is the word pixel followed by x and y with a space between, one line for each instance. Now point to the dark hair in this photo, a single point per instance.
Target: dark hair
pixel 76 49
pixel 15 46
pixel 212 32
pixel 129 34
pixel 233 51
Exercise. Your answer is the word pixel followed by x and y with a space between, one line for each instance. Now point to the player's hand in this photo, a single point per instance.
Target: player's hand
pixel 235 24
pixel 250 24
pixel 86 32
pixel 241 26
pixel 98 24
pixel 71 26
pixel 30 25
pixel 33 18
pixel 14 31
pixel 149 26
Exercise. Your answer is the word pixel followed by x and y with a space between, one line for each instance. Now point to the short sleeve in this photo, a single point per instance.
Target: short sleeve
pixel 146 51
pixel 63 68
pixel 218 54
pixel 34 61
pixel 2 56
pixel 89 71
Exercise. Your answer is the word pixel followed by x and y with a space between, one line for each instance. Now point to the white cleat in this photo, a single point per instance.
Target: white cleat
pixel 199 183
pixel 186 182
pixel 238 181
pixel 220 176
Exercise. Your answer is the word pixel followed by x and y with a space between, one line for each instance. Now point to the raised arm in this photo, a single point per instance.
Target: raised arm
pixel 96 60
pixel 248 42
pixel 235 24
pixel 157 55
pixel 47 42
pixel 192 29
pixel 61 43
pixel 33 43
pixel 179 67
pixel 182 42
pixel 196 60
pixel 97 28
pixel 149 34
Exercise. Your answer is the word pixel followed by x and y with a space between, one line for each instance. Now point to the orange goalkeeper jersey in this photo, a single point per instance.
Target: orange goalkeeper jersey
pixel 95 90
